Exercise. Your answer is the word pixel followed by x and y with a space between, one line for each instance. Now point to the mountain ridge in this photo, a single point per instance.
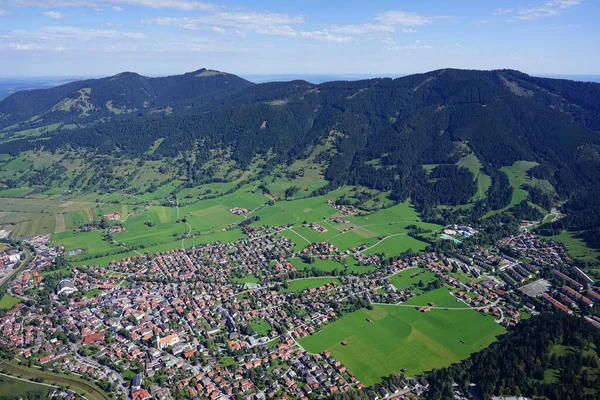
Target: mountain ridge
pixel 382 132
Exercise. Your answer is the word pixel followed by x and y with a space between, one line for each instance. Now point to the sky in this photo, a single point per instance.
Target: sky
pixel 262 37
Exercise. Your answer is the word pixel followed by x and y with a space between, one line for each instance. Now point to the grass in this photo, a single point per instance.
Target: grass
pixel 92 243
pixel 518 177
pixel 88 389
pixel 441 297
pixel 394 245
pixel 471 162
pixel 7 302
pixel 576 247
pixel 227 362
pixel 13 388
pixel 299 285
pixel 409 279
pixel 247 279
pixel 261 327
pixel 402 337
pixel 330 266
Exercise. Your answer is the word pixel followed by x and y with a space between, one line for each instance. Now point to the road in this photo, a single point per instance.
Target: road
pixel 28 381
pixel 22 265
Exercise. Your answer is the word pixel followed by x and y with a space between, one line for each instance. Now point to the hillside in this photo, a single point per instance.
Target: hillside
pixel 444 138
pixel 125 94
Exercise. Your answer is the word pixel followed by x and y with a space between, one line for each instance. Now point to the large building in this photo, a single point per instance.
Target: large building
pixel 65 286
pixel 167 341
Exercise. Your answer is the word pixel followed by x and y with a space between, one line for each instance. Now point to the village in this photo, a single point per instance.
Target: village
pixel 180 323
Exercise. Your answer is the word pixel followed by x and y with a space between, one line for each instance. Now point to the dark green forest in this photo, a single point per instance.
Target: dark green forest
pixel 552 356
pixel 383 130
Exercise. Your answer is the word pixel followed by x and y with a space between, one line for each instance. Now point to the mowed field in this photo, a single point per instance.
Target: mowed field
pixel 402 337
pixel 410 278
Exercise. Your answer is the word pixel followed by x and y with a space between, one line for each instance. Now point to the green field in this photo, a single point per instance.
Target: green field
pixel 92 243
pixel 89 389
pixel 394 245
pixel 261 327
pixel 299 285
pixel 247 279
pixel 13 388
pixel 471 162
pixel 331 266
pixel 410 278
pixel 441 297
pixel 7 302
pixel 576 247
pixel 402 337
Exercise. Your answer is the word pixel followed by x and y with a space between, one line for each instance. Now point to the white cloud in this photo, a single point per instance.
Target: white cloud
pixel 386 23
pixel 117 9
pixel 395 18
pixel 22 47
pixel 4 13
pixel 325 37
pixel 549 9
pixel 53 14
pixel 411 47
pixel 240 21
pixel 502 11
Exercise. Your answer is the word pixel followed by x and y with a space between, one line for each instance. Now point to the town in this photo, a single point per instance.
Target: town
pixel 182 323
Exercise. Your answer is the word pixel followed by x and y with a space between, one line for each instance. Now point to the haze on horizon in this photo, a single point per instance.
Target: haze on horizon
pixel 162 37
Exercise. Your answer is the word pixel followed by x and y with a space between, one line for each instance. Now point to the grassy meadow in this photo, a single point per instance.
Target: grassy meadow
pixel 402 337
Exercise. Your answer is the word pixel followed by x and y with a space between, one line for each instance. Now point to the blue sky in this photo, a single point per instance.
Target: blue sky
pixel 158 37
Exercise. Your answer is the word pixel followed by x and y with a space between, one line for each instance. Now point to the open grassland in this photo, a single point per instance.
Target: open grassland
pixel 396 244
pixel 471 162
pixel 518 176
pixel 576 247
pixel 410 278
pixel 440 297
pixel 91 243
pixel 299 285
pixel 7 302
pixel 14 389
pixel 331 266
pixel 402 337
pixel 88 389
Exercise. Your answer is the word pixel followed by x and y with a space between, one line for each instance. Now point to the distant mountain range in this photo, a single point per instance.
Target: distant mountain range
pixel 124 94
pixel 383 130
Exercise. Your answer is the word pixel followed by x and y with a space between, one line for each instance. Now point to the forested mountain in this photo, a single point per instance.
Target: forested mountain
pixel 120 95
pixel 383 131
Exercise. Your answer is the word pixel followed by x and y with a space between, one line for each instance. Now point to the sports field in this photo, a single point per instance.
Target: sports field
pixel 402 337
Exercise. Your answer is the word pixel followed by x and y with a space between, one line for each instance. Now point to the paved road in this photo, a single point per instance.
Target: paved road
pixel 23 265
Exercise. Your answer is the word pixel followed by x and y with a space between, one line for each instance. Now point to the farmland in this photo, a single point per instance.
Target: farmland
pixel 402 337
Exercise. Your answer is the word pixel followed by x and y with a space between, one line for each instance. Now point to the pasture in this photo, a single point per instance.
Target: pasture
pixel 331 266
pixel 299 285
pixel 440 297
pixel 471 162
pixel 410 278
pixel 402 337
pixel 13 388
